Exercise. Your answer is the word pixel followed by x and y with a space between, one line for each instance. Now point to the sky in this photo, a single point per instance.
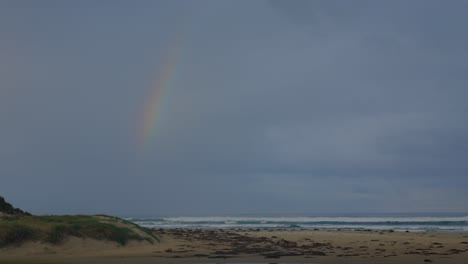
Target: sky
pixel 217 107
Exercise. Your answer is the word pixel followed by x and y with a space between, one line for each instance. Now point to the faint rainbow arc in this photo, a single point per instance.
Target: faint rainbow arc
pixel 153 106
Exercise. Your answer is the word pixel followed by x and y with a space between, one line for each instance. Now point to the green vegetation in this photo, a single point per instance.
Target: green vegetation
pixel 18 226
pixel 15 233
pixel 15 230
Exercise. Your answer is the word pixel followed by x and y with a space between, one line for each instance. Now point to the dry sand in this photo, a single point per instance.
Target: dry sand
pixel 229 246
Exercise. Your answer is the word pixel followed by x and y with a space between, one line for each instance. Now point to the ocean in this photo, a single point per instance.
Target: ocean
pixel 396 222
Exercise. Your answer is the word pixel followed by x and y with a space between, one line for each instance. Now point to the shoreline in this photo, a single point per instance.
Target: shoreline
pixel 380 231
pixel 397 222
pixel 264 246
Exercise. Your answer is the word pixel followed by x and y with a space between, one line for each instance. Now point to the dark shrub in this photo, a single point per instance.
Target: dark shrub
pixel 57 234
pixel 15 234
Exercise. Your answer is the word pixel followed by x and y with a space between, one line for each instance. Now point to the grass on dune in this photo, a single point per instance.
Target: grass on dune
pixel 55 229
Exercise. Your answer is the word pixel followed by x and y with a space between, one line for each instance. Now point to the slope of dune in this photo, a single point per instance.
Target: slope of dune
pixel 19 228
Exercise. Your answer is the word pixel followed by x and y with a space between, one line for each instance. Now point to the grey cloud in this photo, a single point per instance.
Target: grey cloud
pixel 296 106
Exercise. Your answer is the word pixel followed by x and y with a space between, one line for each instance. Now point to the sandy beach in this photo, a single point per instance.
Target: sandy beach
pixel 259 246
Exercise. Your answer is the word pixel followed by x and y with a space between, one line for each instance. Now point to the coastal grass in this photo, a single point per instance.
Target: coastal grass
pixel 15 230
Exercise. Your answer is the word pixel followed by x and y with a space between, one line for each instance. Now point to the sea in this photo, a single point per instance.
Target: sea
pixel 396 222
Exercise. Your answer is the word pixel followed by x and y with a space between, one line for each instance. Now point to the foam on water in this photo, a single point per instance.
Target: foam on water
pixel 421 223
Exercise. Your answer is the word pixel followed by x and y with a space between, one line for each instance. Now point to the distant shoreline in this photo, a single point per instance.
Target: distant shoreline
pixel 364 223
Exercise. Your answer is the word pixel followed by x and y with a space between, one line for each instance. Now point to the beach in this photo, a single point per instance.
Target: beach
pixel 257 246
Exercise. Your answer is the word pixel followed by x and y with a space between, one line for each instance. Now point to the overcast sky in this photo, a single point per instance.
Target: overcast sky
pixel 278 106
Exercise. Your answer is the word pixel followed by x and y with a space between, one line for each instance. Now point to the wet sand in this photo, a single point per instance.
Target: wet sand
pixel 236 246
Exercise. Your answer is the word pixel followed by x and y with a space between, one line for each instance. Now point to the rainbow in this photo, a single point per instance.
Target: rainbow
pixel 154 104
